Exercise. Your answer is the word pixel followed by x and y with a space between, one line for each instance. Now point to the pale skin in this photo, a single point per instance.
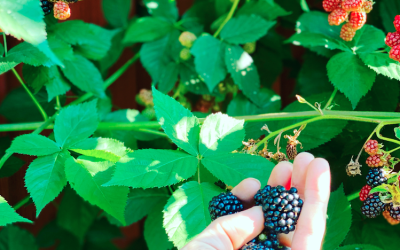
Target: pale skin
pixel 311 176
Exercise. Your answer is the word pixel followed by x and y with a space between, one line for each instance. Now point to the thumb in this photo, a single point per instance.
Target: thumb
pixel 230 232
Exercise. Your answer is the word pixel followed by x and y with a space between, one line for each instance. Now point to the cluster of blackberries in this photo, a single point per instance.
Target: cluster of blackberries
pixel 47 6
pixel 224 204
pixel 372 206
pixel 376 177
pixel 281 209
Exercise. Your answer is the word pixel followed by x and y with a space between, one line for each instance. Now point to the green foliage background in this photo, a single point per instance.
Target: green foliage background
pixel 117 167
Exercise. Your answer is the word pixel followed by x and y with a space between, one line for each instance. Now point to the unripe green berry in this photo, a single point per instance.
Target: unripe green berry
pixel 250 47
pixel 187 39
pixel 185 54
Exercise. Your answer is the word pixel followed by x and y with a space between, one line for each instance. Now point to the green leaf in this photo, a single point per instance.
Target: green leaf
pixel 89 40
pixel 84 74
pixel 87 175
pixel 242 69
pixel 359 247
pixel 11 166
pixel 114 53
pixel 75 123
pixel 24 20
pixel 209 60
pixel 28 54
pixel 1 50
pixel 311 35
pixel 149 168
pixel 186 213
pixel 102 148
pixel 347 72
pixel 157 57
pixel 268 9
pixel 397 132
pixel 338 221
pixel 8 215
pixel 45 179
pixel 76 215
pixel 232 168
pixel 154 226
pixel 17 106
pixel 37 77
pixel 316 133
pixel 31 144
pixel 191 79
pixel 181 126
pixel 15 238
pixel 381 188
pixel 162 8
pixel 388 10
pixel 139 202
pixel 116 12
pixel 245 29
pixel 382 64
pixel 368 39
pixel 220 134
pixel 147 29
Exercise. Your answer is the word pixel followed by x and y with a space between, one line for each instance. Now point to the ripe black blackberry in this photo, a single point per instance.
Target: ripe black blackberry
pixel 47 6
pixel 394 212
pixel 267 239
pixel 224 204
pixel 281 208
pixel 376 177
pixel 372 206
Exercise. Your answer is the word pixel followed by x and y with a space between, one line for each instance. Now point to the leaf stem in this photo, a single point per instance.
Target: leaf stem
pixel 5 44
pixel 378 132
pixel 391 151
pixel 331 98
pixel 22 202
pixel 58 102
pixel 353 196
pixel 110 80
pixel 23 84
pixel 230 15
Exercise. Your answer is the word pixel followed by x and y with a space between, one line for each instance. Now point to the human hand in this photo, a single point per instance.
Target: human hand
pixel 312 179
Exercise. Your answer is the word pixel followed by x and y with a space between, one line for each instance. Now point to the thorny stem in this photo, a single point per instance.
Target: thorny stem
pixel 331 98
pixel 378 131
pixel 230 15
pixel 23 84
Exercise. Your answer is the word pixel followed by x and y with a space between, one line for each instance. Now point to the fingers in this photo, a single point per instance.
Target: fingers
pixel 300 165
pixel 310 228
pixel 246 190
pixel 281 174
pixel 230 232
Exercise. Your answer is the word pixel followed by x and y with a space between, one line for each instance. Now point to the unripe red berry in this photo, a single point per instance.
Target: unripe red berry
pixel 377 160
pixel 367 6
pixel 395 53
pixel 352 5
pixel 61 10
pixel 347 33
pixel 337 17
pixel 358 19
pixel 330 5
pixel 392 39
pixel 397 22
pixel 371 147
pixel 364 192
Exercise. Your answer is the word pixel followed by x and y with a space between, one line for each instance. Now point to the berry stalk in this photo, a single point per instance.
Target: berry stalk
pixel 230 15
